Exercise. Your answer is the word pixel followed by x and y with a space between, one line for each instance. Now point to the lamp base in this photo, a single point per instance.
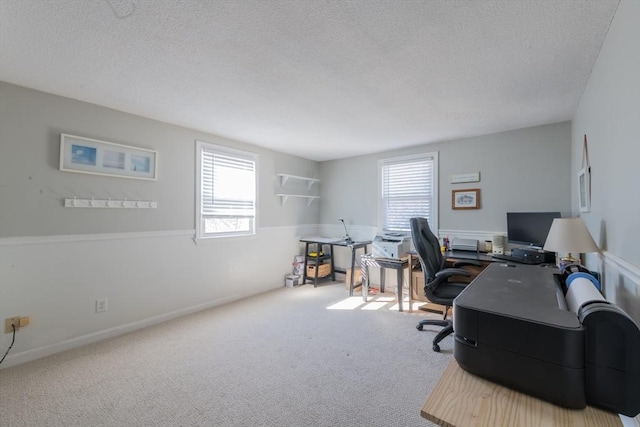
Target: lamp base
pixel 566 261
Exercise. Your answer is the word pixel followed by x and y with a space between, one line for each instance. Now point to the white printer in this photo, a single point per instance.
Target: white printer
pixel 391 245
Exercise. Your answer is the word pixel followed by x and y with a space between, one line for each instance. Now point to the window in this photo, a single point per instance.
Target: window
pixel 226 198
pixel 409 189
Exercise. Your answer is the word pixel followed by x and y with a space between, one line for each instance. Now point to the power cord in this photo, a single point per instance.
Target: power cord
pixel 12 341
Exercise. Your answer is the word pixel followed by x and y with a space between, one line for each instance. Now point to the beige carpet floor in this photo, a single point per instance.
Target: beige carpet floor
pixel 290 357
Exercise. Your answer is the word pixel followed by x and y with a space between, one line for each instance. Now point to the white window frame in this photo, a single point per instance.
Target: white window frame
pixel 201 234
pixel 433 219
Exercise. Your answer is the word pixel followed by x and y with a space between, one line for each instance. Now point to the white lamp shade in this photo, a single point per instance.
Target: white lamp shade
pixel 569 235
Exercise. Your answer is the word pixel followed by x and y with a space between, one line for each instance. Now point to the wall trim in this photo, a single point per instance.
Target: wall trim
pixel 623 267
pixel 73 238
pixel 48 350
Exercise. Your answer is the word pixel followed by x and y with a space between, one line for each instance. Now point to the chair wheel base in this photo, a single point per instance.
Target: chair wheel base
pixel 419 326
pixel 436 348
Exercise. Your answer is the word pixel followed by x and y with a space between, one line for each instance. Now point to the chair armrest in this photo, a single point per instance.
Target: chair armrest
pixel 448 272
pixel 462 263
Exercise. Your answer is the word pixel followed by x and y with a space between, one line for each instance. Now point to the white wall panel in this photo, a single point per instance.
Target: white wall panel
pixel 147 278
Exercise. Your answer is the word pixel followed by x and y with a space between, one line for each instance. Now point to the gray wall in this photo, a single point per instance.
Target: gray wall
pixel 609 114
pixel 520 170
pixel 56 261
pixel 33 187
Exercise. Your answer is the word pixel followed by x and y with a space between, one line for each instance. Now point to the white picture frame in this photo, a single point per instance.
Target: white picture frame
pixel 584 189
pixel 92 156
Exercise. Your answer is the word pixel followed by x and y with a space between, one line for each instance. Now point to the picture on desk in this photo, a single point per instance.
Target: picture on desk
pixel 465 199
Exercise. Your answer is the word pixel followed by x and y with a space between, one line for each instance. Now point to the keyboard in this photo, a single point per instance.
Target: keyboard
pixel 516 259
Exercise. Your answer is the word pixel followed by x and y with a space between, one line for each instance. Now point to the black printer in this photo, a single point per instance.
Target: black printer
pixel 512 326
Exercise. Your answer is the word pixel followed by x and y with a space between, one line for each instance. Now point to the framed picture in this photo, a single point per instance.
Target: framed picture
pixel 85 155
pixel 465 199
pixel 584 188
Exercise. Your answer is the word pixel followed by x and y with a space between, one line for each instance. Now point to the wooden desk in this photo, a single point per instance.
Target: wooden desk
pixel 461 399
pixel 451 257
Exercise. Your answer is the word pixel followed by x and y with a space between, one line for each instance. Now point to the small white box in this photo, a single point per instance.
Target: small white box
pixel 291 280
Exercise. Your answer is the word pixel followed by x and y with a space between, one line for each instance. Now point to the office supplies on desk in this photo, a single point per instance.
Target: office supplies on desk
pixel 497 244
pixel 391 245
pixel 527 258
pixel 458 244
pixel 513 326
pixel 347 238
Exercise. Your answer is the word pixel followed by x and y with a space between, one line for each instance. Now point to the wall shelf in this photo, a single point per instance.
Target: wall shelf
pixel 284 177
pixel 110 203
pixel 285 197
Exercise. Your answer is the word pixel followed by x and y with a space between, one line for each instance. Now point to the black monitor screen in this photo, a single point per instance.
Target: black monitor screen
pixel 529 228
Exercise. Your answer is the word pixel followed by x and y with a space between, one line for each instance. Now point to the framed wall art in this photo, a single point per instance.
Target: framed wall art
pixel 465 199
pixel 584 180
pixel 85 155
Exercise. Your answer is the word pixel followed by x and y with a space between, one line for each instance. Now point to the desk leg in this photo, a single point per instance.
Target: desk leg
pixel 304 271
pixel 315 276
pixel 399 279
pixel 364 267
pixel 333 271
pixel 410 285
pixel 353 265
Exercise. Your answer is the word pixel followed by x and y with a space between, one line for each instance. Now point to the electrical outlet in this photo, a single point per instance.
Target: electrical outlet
pixel 101 305
pixel 25 321
pixel 8 329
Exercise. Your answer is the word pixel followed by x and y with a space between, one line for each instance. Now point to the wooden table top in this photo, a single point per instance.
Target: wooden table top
pixel 461 399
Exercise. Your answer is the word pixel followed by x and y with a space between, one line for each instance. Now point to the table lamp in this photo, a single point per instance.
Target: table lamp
pixel 569 235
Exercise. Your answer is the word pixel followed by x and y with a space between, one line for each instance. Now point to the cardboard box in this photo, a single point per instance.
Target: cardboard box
pixel 357 278
pixel 291 280
pixel 298 265
pixel 323 270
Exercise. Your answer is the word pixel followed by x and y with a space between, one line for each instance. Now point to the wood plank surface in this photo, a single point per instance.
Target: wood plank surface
pixel 461 399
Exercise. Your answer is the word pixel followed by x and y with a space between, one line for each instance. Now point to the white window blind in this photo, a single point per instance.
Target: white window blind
pixel 227 192
pixel 408 190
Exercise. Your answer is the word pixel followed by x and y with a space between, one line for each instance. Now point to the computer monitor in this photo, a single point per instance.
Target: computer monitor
pixel 529 228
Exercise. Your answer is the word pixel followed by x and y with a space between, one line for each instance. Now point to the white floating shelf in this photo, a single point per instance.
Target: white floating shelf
pixel 110 203
pixel 284 197
pixel 284 177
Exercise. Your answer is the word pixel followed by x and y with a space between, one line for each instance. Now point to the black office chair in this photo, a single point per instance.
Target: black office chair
pixel 437 285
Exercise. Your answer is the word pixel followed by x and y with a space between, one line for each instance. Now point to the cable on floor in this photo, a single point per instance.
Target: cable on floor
pixel 13 339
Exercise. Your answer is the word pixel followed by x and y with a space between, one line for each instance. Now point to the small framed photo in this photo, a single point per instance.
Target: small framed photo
pixel 465 199
pixel 584 187
pixel 85 155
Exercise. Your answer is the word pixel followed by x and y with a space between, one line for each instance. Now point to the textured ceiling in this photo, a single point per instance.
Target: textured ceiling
pixel 317 79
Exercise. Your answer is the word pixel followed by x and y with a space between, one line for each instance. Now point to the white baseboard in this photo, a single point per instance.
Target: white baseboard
pixel 48 350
